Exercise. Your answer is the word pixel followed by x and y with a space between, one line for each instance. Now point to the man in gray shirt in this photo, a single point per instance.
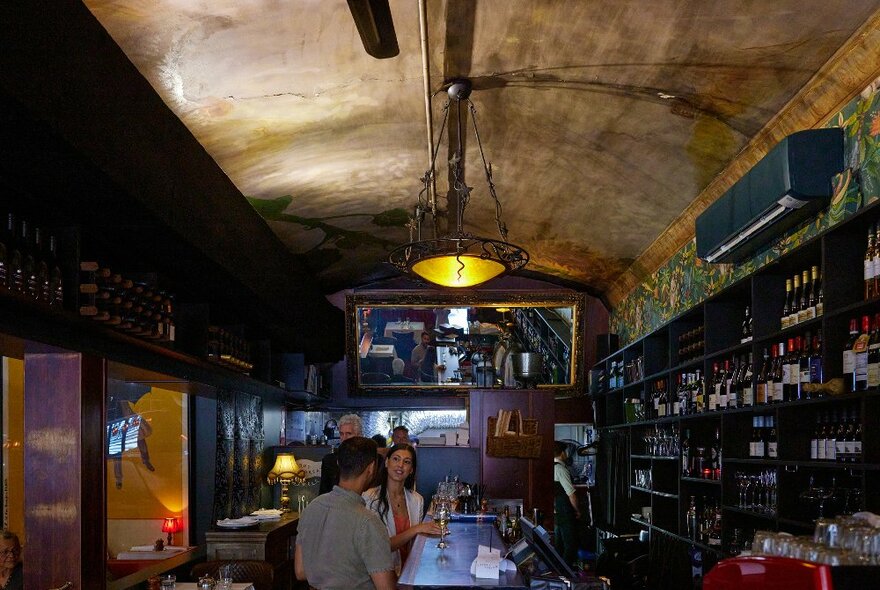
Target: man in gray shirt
pixel 340 544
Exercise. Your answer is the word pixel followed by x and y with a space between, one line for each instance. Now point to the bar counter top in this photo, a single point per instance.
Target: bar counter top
pixel 429 567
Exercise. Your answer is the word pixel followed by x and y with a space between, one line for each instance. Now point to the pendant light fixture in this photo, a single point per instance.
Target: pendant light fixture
pixel 457 259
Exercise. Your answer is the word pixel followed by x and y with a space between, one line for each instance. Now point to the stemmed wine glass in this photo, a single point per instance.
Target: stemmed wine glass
pixel 441 517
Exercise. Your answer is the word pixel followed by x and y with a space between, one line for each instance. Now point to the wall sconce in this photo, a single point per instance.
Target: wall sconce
pixel 286 472
pixel 171 525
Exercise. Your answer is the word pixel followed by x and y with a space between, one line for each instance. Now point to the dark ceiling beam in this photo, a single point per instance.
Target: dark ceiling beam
pixel 57 60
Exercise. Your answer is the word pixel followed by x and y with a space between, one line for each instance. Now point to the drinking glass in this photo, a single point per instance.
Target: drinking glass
pixel 168 581
pixel 441 517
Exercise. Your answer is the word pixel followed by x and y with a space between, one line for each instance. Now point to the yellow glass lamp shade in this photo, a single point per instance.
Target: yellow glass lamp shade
pixel 463 270
pixel 285 471
pixel 285 468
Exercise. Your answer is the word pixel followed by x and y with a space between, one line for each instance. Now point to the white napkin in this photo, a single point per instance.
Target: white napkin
pixel 267 514
pixel 486 561
pixel 171 548
pixel 244 520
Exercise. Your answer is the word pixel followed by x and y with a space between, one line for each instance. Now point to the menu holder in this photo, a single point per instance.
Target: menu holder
pixel 514 436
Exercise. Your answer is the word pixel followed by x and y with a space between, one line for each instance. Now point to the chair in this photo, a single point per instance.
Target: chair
pixel 375 378
pixel 384 340
pixel 258 573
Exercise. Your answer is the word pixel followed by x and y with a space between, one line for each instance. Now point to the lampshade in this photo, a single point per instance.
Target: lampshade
pixel 451 270
pixel 285 468
pixel 171 524
pixel 458 258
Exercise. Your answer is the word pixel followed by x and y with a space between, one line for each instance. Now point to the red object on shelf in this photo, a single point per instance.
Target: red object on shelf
pixel 767 573
pixel 171 525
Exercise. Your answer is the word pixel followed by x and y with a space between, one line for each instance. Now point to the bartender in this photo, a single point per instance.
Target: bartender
pixel 565 505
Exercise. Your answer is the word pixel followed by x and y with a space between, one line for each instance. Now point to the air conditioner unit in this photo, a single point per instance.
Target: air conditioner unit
pixel 790 184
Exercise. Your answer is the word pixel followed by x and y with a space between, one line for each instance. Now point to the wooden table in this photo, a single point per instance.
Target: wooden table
pixel 269 540
pixel 429 567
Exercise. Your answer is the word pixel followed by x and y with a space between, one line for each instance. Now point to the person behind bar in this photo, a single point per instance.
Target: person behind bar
pixel 400 435
pixel 398 505
pixel 340 544
pixel 11 577
pixel 565 507
pixel 349 425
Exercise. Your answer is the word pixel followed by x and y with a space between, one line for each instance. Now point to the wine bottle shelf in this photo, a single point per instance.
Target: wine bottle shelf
pixel 697 544
pixel 747 512
pixel 700 480
pixel 655 457
pixel 654 492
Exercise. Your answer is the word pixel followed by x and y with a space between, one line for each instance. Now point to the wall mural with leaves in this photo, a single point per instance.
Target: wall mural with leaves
pixel 685 280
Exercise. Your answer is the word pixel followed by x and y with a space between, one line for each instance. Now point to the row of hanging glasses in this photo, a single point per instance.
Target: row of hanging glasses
pixel 757 491
pixel 845 540
pixel 662 442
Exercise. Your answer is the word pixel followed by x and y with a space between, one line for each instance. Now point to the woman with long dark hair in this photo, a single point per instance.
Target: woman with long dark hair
pixel 398 505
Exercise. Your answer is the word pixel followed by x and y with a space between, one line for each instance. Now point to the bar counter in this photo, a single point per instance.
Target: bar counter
pixel 429 567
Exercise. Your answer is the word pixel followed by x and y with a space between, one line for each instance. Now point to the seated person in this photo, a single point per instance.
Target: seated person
pixel 340 544
pixel 424 358
pixel 397 367
pixel 398 505
pixel 11 577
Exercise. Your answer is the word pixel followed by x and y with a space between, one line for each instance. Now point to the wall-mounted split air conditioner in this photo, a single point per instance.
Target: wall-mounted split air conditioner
pixel 791 183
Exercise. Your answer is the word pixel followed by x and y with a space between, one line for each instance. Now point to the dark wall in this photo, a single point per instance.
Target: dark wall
pixel 204 435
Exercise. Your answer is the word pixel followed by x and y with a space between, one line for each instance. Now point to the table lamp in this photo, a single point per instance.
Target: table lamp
pixel 286 472
pixel 171 525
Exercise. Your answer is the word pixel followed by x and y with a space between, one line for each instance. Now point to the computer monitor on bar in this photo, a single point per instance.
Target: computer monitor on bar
pixel 546 558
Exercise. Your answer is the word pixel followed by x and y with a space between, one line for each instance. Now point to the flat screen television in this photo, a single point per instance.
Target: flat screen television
pixel 548 559
pixel 122 435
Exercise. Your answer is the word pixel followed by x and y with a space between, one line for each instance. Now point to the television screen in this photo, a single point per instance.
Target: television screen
pixel 122 434
pixel 539 540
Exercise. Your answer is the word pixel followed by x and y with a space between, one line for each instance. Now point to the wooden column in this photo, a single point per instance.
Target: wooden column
pixel 64 467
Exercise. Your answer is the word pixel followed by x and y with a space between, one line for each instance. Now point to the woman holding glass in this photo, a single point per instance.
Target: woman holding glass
pixel 398 505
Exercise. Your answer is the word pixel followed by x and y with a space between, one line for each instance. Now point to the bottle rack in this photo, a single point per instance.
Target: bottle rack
pixel 717 325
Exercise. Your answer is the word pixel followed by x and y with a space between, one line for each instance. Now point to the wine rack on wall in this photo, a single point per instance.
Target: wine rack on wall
pixel 790 485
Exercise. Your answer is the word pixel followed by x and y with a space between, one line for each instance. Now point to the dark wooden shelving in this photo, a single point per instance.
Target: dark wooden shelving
pixel 747 512
pixel 654 492
pixel 700 480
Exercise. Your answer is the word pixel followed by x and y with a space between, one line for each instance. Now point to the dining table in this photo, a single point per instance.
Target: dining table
pixel 402 327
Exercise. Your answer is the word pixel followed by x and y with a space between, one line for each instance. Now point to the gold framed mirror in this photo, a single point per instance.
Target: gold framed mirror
pixel 448 343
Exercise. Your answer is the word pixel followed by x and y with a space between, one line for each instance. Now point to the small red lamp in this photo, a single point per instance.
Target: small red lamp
pixel 171 525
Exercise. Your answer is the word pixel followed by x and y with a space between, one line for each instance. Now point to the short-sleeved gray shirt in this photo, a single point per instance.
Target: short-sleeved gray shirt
pixel 342 542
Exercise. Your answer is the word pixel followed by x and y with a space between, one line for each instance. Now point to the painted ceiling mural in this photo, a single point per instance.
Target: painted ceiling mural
pixel 603 120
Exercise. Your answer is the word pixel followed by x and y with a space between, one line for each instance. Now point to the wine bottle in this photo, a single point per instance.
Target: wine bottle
pixel 795 299
pixel 831 438
pixel 804 367
pixel 686 454
pixel 692 523
pixel 814 441
pixel 849 356
pixel 778 388
pixel 29 286
pixel 821 442
pixel 772 443
pixel 785 353
pixel 874 355
pixel 840 444
pixel 803 314
pixel 725 387
pixel 753 442
pixel 715 456
pixel 869 265
pixel 786 309
pixel 761 389
pixel 747 327
pixel 715 389
pixel 746 385
pixel 760 445
pixel 861 350
pixel 817 375
pixel 14 281
pixel 857 438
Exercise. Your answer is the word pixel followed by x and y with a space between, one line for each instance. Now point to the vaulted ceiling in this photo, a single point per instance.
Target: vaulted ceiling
pixel 604 120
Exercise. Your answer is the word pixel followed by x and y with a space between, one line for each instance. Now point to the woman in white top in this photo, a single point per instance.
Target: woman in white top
pixel 399 506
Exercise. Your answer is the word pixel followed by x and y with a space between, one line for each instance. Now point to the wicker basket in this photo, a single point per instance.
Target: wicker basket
pixel 525 444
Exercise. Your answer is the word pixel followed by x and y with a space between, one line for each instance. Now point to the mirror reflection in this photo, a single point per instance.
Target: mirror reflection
pixel 456 345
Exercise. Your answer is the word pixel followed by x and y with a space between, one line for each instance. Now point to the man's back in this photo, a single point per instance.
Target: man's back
pixel 342 542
